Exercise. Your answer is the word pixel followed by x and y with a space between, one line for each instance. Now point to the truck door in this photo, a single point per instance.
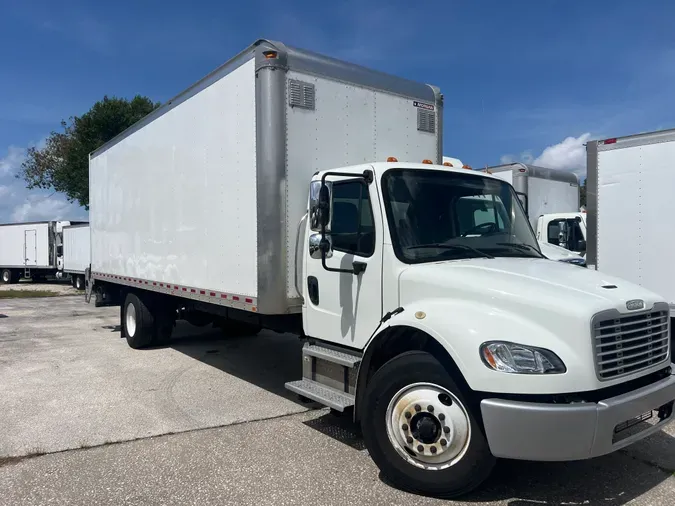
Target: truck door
pixel 343 307
pixel 30 247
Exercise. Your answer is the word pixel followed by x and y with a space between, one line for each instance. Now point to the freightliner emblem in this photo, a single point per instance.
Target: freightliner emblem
pixel 634 304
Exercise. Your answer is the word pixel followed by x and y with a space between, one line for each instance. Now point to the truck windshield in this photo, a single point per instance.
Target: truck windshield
pixel 435 215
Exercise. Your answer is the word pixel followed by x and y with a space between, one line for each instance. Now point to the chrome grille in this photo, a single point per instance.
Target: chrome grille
pixel 628 343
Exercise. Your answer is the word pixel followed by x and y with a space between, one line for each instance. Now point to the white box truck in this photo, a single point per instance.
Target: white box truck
pixel 629 197
pixel 30 250
pixel 260 198
pixel 76 253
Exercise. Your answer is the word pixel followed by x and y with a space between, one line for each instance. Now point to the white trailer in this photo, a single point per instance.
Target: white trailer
pixel 30 250
pixel 542 190
pixel 629 188
pixel 259 198
pixel 76 253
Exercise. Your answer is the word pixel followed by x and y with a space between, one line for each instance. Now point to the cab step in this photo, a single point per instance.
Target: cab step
pixel 328 376
pixel 325 395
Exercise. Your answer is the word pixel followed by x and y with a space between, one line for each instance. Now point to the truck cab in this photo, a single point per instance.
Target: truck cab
pixel 567 230
pixel 456 341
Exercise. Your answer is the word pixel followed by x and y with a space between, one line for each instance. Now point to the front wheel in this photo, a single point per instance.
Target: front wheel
pixel 7 276
pixel 420 431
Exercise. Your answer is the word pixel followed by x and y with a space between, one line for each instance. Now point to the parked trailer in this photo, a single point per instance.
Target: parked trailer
pixel 76 253
pixel 252 200
pixel 30 250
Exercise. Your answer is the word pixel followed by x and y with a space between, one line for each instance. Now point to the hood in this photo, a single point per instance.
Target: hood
pixel 553 252
pixel 527 282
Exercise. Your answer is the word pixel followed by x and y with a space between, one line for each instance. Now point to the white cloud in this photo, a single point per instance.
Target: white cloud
pixel 569 154
pixel 17 203
pixel 12 161
pixel 36 208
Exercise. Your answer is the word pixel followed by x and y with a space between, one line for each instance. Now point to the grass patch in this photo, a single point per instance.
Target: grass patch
pixel 26 294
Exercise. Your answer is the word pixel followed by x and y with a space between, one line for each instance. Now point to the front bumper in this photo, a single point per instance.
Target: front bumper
pixel 558 432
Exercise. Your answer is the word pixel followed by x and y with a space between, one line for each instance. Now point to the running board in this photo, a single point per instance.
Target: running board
pixel 320 393
pixel 328 376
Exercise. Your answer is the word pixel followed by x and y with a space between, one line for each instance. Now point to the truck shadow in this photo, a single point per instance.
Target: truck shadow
pixel 613 480
pixel 267 360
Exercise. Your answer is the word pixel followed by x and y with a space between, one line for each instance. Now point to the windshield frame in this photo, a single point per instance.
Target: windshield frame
pixel 393 229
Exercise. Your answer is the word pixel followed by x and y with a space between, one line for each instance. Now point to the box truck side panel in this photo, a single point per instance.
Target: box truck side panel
pixel 548 196
pixel 634 214
pixel 343 124
pixel 76 249
pixel 175 200
pixel 618 247
pixel 25 245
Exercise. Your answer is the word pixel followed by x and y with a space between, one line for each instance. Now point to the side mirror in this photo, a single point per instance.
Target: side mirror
pixel 324 206
pixel 317 245
pixel 319 206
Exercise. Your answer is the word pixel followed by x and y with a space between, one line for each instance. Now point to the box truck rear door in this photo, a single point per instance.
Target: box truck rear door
pixel 30 247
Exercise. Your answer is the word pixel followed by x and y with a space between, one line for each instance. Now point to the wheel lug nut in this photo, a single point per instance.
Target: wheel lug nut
pixel 409 440
pixel 433 449
pixel 420 448
pixel 408 415
pixel 446 429
pixel 441 417
pixel 430 408
pixel 443 442
pixel 418 407
pixel 404 426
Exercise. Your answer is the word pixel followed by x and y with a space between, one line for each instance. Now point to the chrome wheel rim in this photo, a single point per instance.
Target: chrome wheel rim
pixel 131 320
pixel 428 426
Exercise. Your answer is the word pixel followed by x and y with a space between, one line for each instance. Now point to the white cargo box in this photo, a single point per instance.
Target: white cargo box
pixel 547 190
pixel 76 249
pixel 630 183
pixel 27 245
pixel 204 196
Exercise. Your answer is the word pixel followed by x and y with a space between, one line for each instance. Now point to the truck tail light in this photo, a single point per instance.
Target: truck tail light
pixel 270 55
pixel 609 141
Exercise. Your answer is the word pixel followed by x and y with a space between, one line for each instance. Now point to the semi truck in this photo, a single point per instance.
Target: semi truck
pixel 76 253
pixel 31 250
pixel 284 191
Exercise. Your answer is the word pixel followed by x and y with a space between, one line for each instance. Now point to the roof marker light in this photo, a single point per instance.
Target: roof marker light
pixel 427 161
pixel 609 141
pixel 392 159
pixel 467 167
pixel 448 164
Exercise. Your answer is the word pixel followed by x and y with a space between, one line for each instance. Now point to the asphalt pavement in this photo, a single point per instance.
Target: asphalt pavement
pixel 207 421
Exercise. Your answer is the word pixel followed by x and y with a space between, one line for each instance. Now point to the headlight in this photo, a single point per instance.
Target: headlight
pixel 520 359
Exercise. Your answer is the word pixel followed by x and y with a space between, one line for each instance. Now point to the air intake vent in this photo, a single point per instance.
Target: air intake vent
pixel 426 121
pixel 301 94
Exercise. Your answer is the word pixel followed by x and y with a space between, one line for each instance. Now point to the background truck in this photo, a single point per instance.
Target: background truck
pixel 629 198
pixel 30 250
pixel 76 253
pixel 260 198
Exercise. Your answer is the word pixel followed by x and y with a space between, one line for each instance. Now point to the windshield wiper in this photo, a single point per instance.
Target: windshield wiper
pixel 521 247
pixel 451 247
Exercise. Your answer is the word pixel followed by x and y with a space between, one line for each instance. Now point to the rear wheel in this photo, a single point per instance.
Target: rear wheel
pixel 137 321
pixel 7 277
pixel 420 431
pixel 79 282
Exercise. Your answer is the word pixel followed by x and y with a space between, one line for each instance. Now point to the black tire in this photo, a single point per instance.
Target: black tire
pixel 140 334
pixel 7 277
pixel 78 282
pixel 460 478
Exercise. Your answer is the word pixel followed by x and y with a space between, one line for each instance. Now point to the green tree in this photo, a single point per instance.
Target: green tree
pixel 62 164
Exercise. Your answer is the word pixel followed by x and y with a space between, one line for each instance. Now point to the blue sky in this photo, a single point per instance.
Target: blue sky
pixel 528 80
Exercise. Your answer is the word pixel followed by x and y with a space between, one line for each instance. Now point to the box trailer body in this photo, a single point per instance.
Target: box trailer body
pixel 76 253
pixel 206 193
pixel 545 190
pixel 282 192
pixel 629 208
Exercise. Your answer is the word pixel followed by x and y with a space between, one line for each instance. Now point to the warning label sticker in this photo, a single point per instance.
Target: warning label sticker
pixel 422 105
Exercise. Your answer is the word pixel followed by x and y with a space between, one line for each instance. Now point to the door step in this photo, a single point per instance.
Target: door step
pixel 328 376
pixel 325 395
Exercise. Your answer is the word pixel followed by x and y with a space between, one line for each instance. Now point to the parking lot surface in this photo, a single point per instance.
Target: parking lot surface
pixel 206 420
